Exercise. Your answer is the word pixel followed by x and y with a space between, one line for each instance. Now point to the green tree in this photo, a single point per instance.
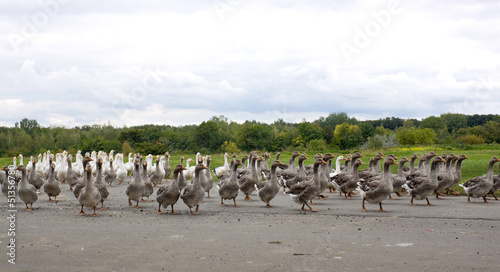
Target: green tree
pixel 347 136
pixel 254 136
pixel 208 135
pixel 432 122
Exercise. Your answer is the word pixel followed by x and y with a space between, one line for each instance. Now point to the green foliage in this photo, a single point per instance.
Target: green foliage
pixel 381 142
pixel 336 131
pixel 413 136
pixel 347 136
pixel 317 145
pixel 254 136
pixel 471 140
pixel 310 131
pixel 229 147
pixel 432 122
pixel 126 148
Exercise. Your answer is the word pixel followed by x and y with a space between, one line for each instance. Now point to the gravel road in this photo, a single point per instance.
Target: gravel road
pixel 452 236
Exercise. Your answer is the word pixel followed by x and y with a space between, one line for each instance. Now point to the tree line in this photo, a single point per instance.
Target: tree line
pixel 337 131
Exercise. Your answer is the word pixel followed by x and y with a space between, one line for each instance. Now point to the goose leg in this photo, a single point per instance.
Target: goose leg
pixel 27 208
pixel 234 199
pixel 222 202
pixel 310 208
pixel 468 199
pixel 485 200
pixel 428 203
pixel 363 205
pixel 493 194
pixel 159 208
pixel 94 214
pixel 247 198
pixel 102 206
pixel 191 211
pixel 267 204
pixel 81 211
pixel 197 208
pixel 411 201
pixel 172 212
pixel 381 209
pixel 137 205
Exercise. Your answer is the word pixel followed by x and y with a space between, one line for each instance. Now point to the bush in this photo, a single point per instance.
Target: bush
pixel 229 147
pixel 317 145
pixel 471 140
pixel 381 141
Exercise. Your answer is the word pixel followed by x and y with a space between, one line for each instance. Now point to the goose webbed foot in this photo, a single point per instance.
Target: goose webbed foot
pixel 363 206
pixel 94 214
pixel 172 212
pixel 81 211
pixel 381 209
pixel 247 198
pixel 428 203
pixel 310 208
pixel 486 200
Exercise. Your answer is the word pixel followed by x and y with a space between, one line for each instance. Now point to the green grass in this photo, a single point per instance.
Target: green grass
pixel 475 166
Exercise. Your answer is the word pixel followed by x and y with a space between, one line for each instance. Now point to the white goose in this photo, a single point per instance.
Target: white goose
pixel 130 164
pixel 188 174
pixel 63 167
pixel 121 172
pixel 222 169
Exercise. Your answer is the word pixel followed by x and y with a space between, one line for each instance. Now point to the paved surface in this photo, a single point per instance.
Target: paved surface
pixel 452 236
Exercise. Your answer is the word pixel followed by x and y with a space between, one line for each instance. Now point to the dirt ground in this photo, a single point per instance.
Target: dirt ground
pixel 452 236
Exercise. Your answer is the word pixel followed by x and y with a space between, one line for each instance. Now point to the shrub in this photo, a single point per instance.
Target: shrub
pixel 381 141
pixel 471 140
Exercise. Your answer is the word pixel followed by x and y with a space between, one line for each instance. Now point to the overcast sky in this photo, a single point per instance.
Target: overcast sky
pixel 70 63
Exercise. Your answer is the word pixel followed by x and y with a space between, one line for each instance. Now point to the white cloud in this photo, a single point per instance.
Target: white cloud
pixel 181 63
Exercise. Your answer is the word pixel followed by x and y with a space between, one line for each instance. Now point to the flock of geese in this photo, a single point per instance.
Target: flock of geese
pixel 90 176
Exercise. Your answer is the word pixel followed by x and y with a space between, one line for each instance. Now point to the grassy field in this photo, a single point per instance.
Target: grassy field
pixel 475 166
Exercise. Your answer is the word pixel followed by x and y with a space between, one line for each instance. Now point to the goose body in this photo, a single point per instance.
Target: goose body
pixel 399 179
pixel 51 186
pixel 99 183
pixel 193 193
pixel 35 178
pixel 480 186
pixel 90 195
pixel 304 192
pixel 378 190
pixel 270 188
pixel 166 166
pixel 71 175
pixel 168 195
pixel 208 175
pixel 148 185
pixel 229 188
pixel 111 175
pixel 135 189
pixel 157 175
pixel 421 187
pixel 27 191
pixel 446 178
